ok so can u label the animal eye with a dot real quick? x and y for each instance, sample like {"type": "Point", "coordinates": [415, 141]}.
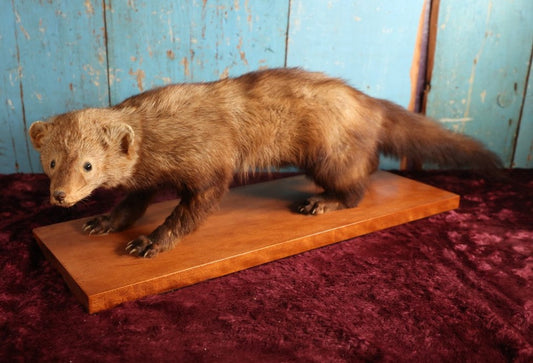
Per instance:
{"type": "Point", "coordinates": [87, 166]}
{"type": "Point", "coordinates": [52, 164]}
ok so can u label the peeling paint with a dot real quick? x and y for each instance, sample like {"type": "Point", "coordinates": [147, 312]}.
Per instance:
{"type": "Point", "coordinates": [113, 77]}
{"type": "Point", "coordinates": [13, 76]}
{"type": "Point", "coordinates": [225, 73]}
{"type": "Point", "coordinates": [459, 119]}
{"type": "Point", "coordinates": [185, 63]}
{"type": "Point", "coordinates": [483, 95]}
{"type": "Point", "coordinates": [215, 30]}
{"type": "Point", "coordinates": [91, 71]}
{"type": "Point", "coordinates": [241, 52]}
{"type": "Point", "coordinates": [61, 14]}
{"type": "Point", "coordinates": [139, 75]}
{"type": "Point", "coordinates": [89, 7]}
{"type": "Point", "coordinates": [475, 62]}
{"type": "Point", "coordinates": [41, 28]}
{"type": "Point", "coordinates": [26, 34]}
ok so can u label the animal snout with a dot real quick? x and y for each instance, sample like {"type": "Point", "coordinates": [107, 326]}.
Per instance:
{"type": "Point", "coordinates": [60, 196]}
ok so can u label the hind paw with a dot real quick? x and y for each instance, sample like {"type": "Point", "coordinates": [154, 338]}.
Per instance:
{"type": "Point", "coordinates": [318, 205]}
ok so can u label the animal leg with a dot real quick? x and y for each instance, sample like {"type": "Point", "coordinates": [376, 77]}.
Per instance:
{"type": "Point", "coordinates": [344, 185]}
{"type": "Point", "coordinates": [131, 208]}
{"type": "Point", "coordinates": [185, 218]}
{"type": "Point", "coordinates": [331, 200]}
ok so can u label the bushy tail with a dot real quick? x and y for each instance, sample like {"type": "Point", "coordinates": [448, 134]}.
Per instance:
{"type": "Point", "coordinates": [421, 139]}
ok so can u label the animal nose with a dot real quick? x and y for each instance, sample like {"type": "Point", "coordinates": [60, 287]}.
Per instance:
{"type": "Point", "coordinates": [60, 196]}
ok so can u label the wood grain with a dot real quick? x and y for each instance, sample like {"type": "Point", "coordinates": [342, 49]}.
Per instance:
{"type": "Point", "coordinates": [368, 44]}
{"type": "Point", "coordinates": [157, 42]}
{"type": "Point", "coordinates": [55, 61]}
{"type": "Point", "coordinates": [523, 151]}
{"type": "Point", "coordinates": [13, 147]}
{"type": "Point", "coordinates": [476, 87]}
{"type": "Point", "coordinates": [61, 55]}
{"type": "Point", "coordinates": [253, 226]}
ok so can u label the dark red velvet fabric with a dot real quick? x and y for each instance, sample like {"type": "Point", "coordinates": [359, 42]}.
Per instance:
{"type": "Point", "coordinates": [452, 287]}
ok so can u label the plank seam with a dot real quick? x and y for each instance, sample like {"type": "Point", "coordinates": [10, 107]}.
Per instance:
{"type": "Point", "coordinates": [287, 29]}
{"type": "Point", "coordinates": [104, 12]}
{"type": "Point", "coordinates": [521, 112]}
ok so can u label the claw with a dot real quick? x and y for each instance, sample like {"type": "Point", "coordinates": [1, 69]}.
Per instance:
{"type": "Point", "coordinates": [140, 247]}
{"type": "Point", "coordinates": [98, 225]}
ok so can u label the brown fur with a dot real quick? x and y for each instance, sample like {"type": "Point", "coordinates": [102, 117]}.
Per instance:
{"type": "Point", "coordinates": [194, 137]}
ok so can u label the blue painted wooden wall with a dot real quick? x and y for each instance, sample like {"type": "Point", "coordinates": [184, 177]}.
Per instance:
{"type": "Point", "coordinates": [60, 55]}
{"type": "Point", "coordinates": [480, 75]}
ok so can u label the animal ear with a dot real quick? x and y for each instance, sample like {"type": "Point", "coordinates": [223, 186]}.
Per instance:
{"type": "Point", "coordinates": [120, 134]}
{"type": "Point", "coordinates": [38, 130]}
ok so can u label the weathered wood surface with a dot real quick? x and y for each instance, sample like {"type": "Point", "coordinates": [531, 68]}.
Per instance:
{"type": "Point", "coordinates": [370, 45]}
{"type": "Point", "coordinates": [55, 58]}
{"type": "Point", "coordinates": [480, 71]}
{"type": "Point", "coordinates": [253, 226]}
{"type": "Point", "coordinates": [523, 153]}
{"type": "Point", "coordinates": [152, 43]}
{"type": "Point", "coordinates": [62, 55]}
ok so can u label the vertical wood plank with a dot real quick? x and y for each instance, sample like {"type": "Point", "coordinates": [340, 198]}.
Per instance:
{"type": "Point", "coordinates": [13, 150]}
{"type": "Point", "coordinates": [481, 62]}
{"type": "Point", "coordinates": [62, 58]}
{"type": "Point", "coordinates": [523, 157]}
{"type": "Point", "coordinates": [370, 45]}
{"type": "Point", "coordinates": [54, 57]}
{"type": "Point", "coordinates": [153, 43]}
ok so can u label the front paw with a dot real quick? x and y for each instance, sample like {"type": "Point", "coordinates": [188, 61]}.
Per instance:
{"type": "Point", "coordinates": [142, 246]}
{"type": "Point", "coordinates": [98, 225]}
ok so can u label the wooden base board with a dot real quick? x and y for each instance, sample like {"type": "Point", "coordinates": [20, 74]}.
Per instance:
{"type": "Point", "coordinates": [253, 226]}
